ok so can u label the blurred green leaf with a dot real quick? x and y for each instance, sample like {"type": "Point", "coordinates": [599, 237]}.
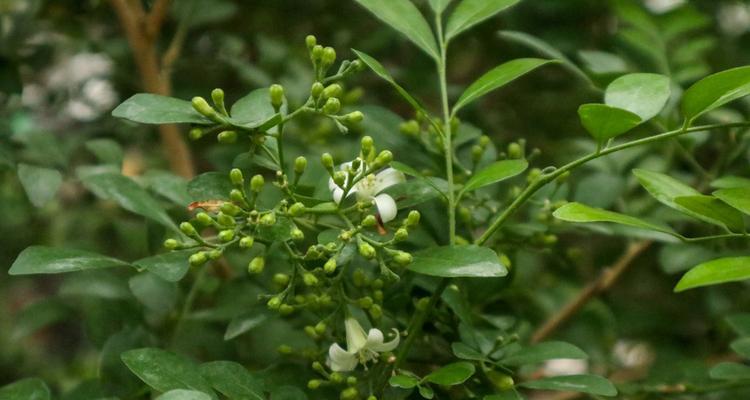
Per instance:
{"type": "Point", "coordinates": [542, 352]}
{"type": "Point", "coordinates": [106, 150]}
{"type": "Point", "coordinates": [40, 184]}
{"type": "Point", "coordinates": [451, 374]}
{"type": "Point", "coordinates": [730, 182]}
{"type": "Point", "coordinates": [149, 108]}
{"type": "Point", "coordinates": [471, 12]}
{"type": "Point", "coordinates": [577, 212]}
{"type": "Point", "coordinates": [197, 12]}
{"type": "Point", "coordinates": [604, 122]}
{"type": "Point", "coordinates": [458, 261]}
{"type": "Point", "coordinates": [739, 198]}
{"type": "Point", "coordinates": [182, 394]}
{"type": "Point", "coordinates": [642, 94]}
{"type": "Point", "coordinates": [438, 6]}
{"type": "Point", "coordinates": [39, 315]}
{"type": "Point", "coordinates": [403, 16]}
{"type": "Point", "coordinates": [712, 210]}
{"type": "Point", "coordinates": [731, 269]}
{"type": "Point", "coordinates": [664, 188]}
{"type": "Point", "coordinates": [741, 347]}
{"type": "Point", "coordinates": [157, 294]}
{"type": "Point", "coordinates": [165, 371]}
{"type": "Point", "coordinates": [244, 323]}
{"type": "Point", "coordinates": [26, 389]}
{"type": "Point", "coordinates": [545, 49]}
{"type": "Point", "coordinates": [591, 384]}
{"type": "Point", "coordinates": [729, 371]}
{"type": "Point", "coordinates": [169, 186]}
{"type": "Point", "coordinates": [495, 172]}
{"type": "Point", "coordinates": [171, 266]}
{"type": "Point", "coordinates": [715, 91]}
{"type": "Point", "coordinates": [232, 380]}
{"type": "Point", "coordinates": [380, 71]}
{"type": "Point", "coordinates": [54, 260]}
{"type": "Point", "coordinates": [403, 381]}
{"type": "Point", "coordinates": [210, 186]}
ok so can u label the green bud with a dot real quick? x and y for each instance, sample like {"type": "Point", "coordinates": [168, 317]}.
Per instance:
{"type": "Point", "coordinates": [349, 393]}
{"type": "Point", "coordinates": [402, 258]}
{"type": "Point", "coordinates": [384, 158]}
{"type": "Point", "coordinates": [214, 254]}
{"type": "Point", "coordinates": [413, 218]}
{"type": "Point", "coordinates": [476, 152]}
{"type": "Point", "coordinates": [365, 302]}
{"type": "Point", "coordinates": [247, 242]}
{"type": "Point", "coordinates": [227, 137]}
{"type": "Point", "coordinates": [327, 160]}
{"type": "Point", "coordinates": [268, 219]}
{"type": "Point", "coordinates": [310, 41]}
{"type": "Point", "coordinates": [274, 303]}
{"type": "Point", "coordinates": [235, 175]}
{"type": "Point", "coordinates": [195, 133]}
{"type": "Point", "coordinates": [188, 229]}
{"type": "Point", "coordinates": [256, 183]}
{"type": "Point", "coordinates": [376, 311]}
{"type": "Point", "coordinates": [300, 164]}
{"type": "Point", "coordinates": [201, 105]}
{"type": "Point", "coordinates": [297, 234]}
{"type": "Point", "coordinates": [297, 209]}
{"type": "Point", "coordinates": [171, 244]}
{"type": "Point", "coordinates": [501, 381]}
{"type": "Point", "coordinates": [281, 279]}
{"type": "Point", "coordinates": [339, 178]}
{"type": "Point", "coordinates": [345, 236]}
{"type": "Point", "coordinates": [320, 328]}
{"type": "Point", "coordinates": [366, 250]}
{"type": "Point", "coordinates": [332, 106]}
{"type": "Point", "coordinates": [225, 220]}
{"type": "Point", "coordinates": [204, 219]}
{"type": "Point", "coordinates": [354, 117]}
{"type": "Point", "coordinates": [256, 265]}
{"type": "Point", "coordinates": [401, 234]}
{"type": "Point", "coordinates": [533, 175]}
{"type": "Point", "coordinates": [197, 259]}
{"type": "Point", "coordinates": [276, 92]}
{"type": "Point", "coordinates": [484, 140]}
{"type": "Point", "coordinates": [422, 303]}
{"type": "Point", "coordinates": [230, 209]}
{"type": "Point", "coordinates": [377, 284]}
{"type": "Point", "coordinates": [284, 349]}
{"type": "Point", "coordinates": [351, 380]}
{"type": "Point", "coordinates": [236, 196]}
{"type": "Point", "coordinates": [336, 377]}
{"type": "Point", "coordinates": [310, 331]}
{"type": "Point", "coordinates": [309, 279]}
{"type": "Point", "coordinates": [329, 56]}
{"type": "Point", "coordinates": [369, 221]}
{"type": "Point", "coordinates": [378, 295]}
{"type": "Point", "coordinates": [549, 240]}
{"type": "Point", "coordinates": [332, 90]}
{"type": "Point", "coordinates": [313, 384]}
{"type": "Point", "coordinates": [367, 145]}
{"type": "Point", "coordinates": [217, 95]}
{"type": "Point", "coordinates": [464, 213]}
{"type": "Point", "coordinates": [286, 309]}
{"type": "Point", "coordinates": [330, 266]}
{"type": "Point", "coordinates": [226, 235]}
{"type": "Point", "coordinates": [515, 151]}
{"type": "Point", "coordinates": [316, 54]}
{"type": "Point", "coordinates": [410, 128]}
{"type": "Point", "coordinates": [371, 397]}
{"type": "Point", "coordinates": [316, 90]}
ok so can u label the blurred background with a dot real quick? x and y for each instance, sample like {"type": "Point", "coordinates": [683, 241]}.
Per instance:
{"type": "Point", "coordinates": [65, 64]}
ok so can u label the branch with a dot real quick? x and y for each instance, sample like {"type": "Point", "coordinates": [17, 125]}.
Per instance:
{"type": "Point", "coordinates": [602, 283]}
{"type": "Point", "coordinates": [156, 17]}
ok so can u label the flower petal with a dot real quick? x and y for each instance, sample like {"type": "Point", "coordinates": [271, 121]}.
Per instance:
{"type": "Point", "coordinates": [374, 338]}
{"type": "Point", "coordinates": [387, 178]}
{"type": "Point", "coordinates": [337, 194]}
{"type": "Point", "coordinates": [386, 207]}
{"type": "Point", "coordinates": [340, 360]}
{"type": "Point", "coordinates": [388, 346]}
{"type": "Point", "coordinates": [356, 339]}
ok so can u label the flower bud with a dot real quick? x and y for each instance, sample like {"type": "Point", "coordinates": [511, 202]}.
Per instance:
{"type": "Point", "coordinates": [376, 311]}
{"type": "Point", "coordinates": [226, 235]}
{"type": "Point", "coordinates": [476, 153]}
{"type": "Point", "coordinates": [413, 218]}
{"type": "Point", "coordinates": [332, 106]}
{"type": "Point", "coordinates": [268, 219]}
{"type": "Point", "coordinates": [214, 254]}
{"type": "Point", "coordinates": [533, 175]}
{"type": "Point", "coordinates": [225, 220]}
{"type": "Point", "coordinates": [316, 54]}
{"type": "Point", "coordinates": [235, 175]}
{"type": "Point", "coordinates": [365, 302]}
{"type": "Point", "coordinates": [484, 140]}
{"type": "Point", "coordinates": [171, 244]}
{"type": "Point", "coordinates": [320, 328]}
{"type": "Point", "coordinates": [256, 183]}
{"type": "Point", "coordinates": [256, 265]}
{"type": "Point", "coordinates": [327, 160]}
{"type": "Point", "coordinates": [274, 303]}
{"type": "Point", "coordinates": [195, 133]}
{"type": "Point", "coordinates": [247, 242]}
{"type": "Point", "coordinates": [310, 331]}
{"type": "Point", "coordinates": [345, 236]}
{"type": "Point", "coordinates": [297, 209]}
{"type": "Point", "coordinates": [351, 380]}
{"type": "Point", "coordinates": [367, 145]}
{"type": "Point", "coordinates": [276, 92]}
{"type": "Point", "coordinates": [402, 258]}
{"type": "Point", "coordinates": [284, 349]}
{"type": "Point", "coordinates": [230, 209]}
{"type": "Point", "coordinates": [339, 178]}
{"type": "Point", "coordinates": [422, 303]}
{"type": "Point", "coordinates": [515, 151]}
{"type": "Point", "coordinates": [369, 221]}
{"type": "Point", "coordinates": [401, 234]}
{"type": "Point", "coordinates": [410, 128]}
{"type": "Point", "coordinates": [236, 196]}
{"type": "Point", "coordinates": [227, 137]}
{"type": "Point", "coordinates": [349, 393]}
{"type": "Point", "coordinates": [286, 309]}
{"type": "Point", "coordinates": [336, 377]}
{"type": "Point", "coordinates": [377, 284]}
{"type": "Point", "coordinates": [300, 164]}
{"type": "Point", "coordinates": [313, 384]}
{"type": "Point", "coordinates": [197, 259]}
{"type": "Point", "coordinates": [354, 117]}
{"type": "Point", "coordinates": [366, 250]}
{"type": "Point", "coordinates": [309, 279]}
{"type": "Point", "coordinates": [297, 234]}
{"type": "Point", "coordinates": [310, 41]}
{"type": "Point", "coordinates": [329, 56]}
{"type": "Point", "coordinates": [316, 90]}
{"type": "Point", "coordinates": [281, 279]}
{"type": "Point", "coordinates": [332, 90]}
{"type": "Point", "coordinates": [501, 381]}
{"type": "Point", "coordinates": [378, 295]}
{"type": "Point", "coordinates": [217, 95]}
{"type": "Point", "coordinates": [201, 105]}
{"type": "Point", "coordinates": [357, 66]}
{"type": "Point", "coordinates": [330, 266]}
{"type": "Point", "coordinates": [188, 229]}
{"type": "Point", "coordinates": [384, 158]}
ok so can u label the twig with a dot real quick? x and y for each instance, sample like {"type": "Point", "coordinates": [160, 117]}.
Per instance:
{"type": "Point", "coordinates": [602, 283]}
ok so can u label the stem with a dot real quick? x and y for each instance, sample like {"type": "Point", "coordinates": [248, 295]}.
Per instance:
{"type": "Point", "coordinates": [549, 177]}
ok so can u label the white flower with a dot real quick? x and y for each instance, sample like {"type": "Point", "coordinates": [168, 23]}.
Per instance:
{"type": "Point", "coordinates": [565, 366]}
{"type": "Point", "coordinates": [370, 187]}
{"type": "Point", "coordinates": [360, 347]}
{"type": "Point", "coordinates": [663, 6]}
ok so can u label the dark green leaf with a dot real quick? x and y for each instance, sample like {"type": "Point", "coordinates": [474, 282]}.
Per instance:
{"type": "Point", "coordinates": [165, 371]}
{"type": "Point", "coordinates": [642, 94]}
{"type": "Point", "coordinates": [451, 374]}
{"type": "Point", "coordinates": [740, 323]}
{"type": "Point", "coordinates": [742, 347]}
{"type": "Point", "coordinates": [253, 110]}
{"type": "Point", "coordinates": [458, 261]}
{"type": "Point", "coordinates": [232, 380]}
{"type": "Point", "coordinates": [495, 172]}
{"type": "Point", "coordinates": [168, 185]}
{"type": "Point", "coordinates": [463, 351]}
{"type": "Point", "coordinates": [403, 381]}
{"type": "Point", "coordinates": [542, 352]}
{"type": "Point", "coordinates": [54, 260]}
{"type": "Point", "coordinates": [37, 316]}
{"type": "Point", "coordinates": [404, 17]}
{"type": "Point", "coordinates": [498, 77]}
{"type": "Point", "coordinates": [577, 212]}
{"type": "Point", "coordinates": [738, 198]}
{"type": "Point", "coordinates": [193, 13]}
{"type": "Point", "coordinates": [712, 210]}
{"type": "Point", "coordinates": [714, 91]}
{"type": "Point", "coordinates": [149, 108]}
{"type": "Point", "coordinates": [182, 394]}
{"type": "Point", "coordinates": [729, 371]}
{"type": "Point", "coordinates": [471, 12]}
{"type": "Point", "coordinates": [106, 150]}
{"type": "Point", "coordinates": [665, 189]}
{"type": "Point", "coordinates": [40, 184]}
{"type": "Point", "coordinates": [26, 389]}
{"type": "Point", "coordinates": [591, 384]}
{"type": "Point", "coordinates": [154, 292]}
{"type": "Point", "coordinates": [380, 71]}
{"type": "Point", "coordinates": [244, 323]}
{"type": "Point", "coordinates": [210, 186]}
{"type": "Point", "coordinates": [170, 266]}
{"type": "Point", "coordinates": [714, 272]}
{"type": "Point", "coordinates": [278, 232]}
{"type": "Point", "coordinates": [97, 284]}
{"type": "Point", "coordinates": [426, 392]}
{"type": "Point", "coordinates": [604, 122]}
{"type": "Point", "coordinates": [545, 49]}
{"type": "Point", "coordinates": [112, 371]}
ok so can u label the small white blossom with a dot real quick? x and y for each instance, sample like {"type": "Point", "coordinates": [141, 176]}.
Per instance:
{"type": "Point", "coordinates": [360, 347]}
{"type": "Point", "coordinates": [370, 187]}
{"type": "Point", "coordinates": [565, 366]}
{"type": "Point", "coordinates": [663, 6]}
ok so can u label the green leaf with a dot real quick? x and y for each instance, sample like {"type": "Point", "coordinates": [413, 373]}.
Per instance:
{"type": "Point", "coordinates": [465, 352]}
{"type": "Point", "coordinates": [729, 371]}
{"type": "Point", "coordinates": [741, 347]}
{"type": "Point", "coordinates": [722, 270]}
{"type": "Point", "coordinates": [182, 394]}
{"type": "Point", "coordinates": [414, 192]}
{"type": "Point", "coordinates": [128, 194]}
{"type": "Point", "coordinates": [471, 12]}
{"type": "Point", "coordinates": [39, 315]}
{"type": "Point", "coordinates": [591, 384]}
{"type": "Point", "coordinates": [739, 198]}
{"type": "Point", "coordinates": [193, 13]}
{"type": "Point", "coordinates": [542, 352]}
{"type": "Point", "coordinates": [714, 91]}
{"type": "Point", "coordinates": [545, 49]}
{"type": "Point", "coordinates": [169, 186]}
{"type": "Point", "coordinates": [149, 108]}
{"type": "Point", "coordinates": [506, 395]}
{"type": "Point", "coordinates": [255, 111]}
{"type": "Point", "coordinates": [403, 16]}
{"type": "Point", "coordinates": [403, 381]}
{"type": "Point", "coordinates": [26, 389]}
{"type": "Point", "coordinates": [171, 266]}
{"type": "Point", "coordinates": [244, 323]}
{"type": "Point", "coordinates": [730, 182]}
{"type": "Point", "coordinates": [380, 71]}
{"type": "Point", "coordinates": [426, 392]}
{"type": "Point", "coordinates": [165, 371]}
{"type": "Point", "coordinates": [602, 63]}
{"type": "Point", "coordinates": [642, 94]}
{"type": "Point", "coordinates": [154, 292]}
{"type": "Point", "coordinates": [438, 6]}
{"type": "Point", "coordinates": [278, 232]}
{"type": "Point", "coordinates": [40, 184]}
{"type": "Point", "coordinates": [458, 261]}
{"type": "Point", "coordinates": [577, 212]}
{"type": "Point", "coordinates": [55, 260]}
{"type": "Point", "coordinates": [232, 380]}
{"type": "Point", "coordinates": [210, 186]}
{"type": "Point", "coordinates": [495, 172]}
{"type": "Point", "coordinates": [740, 323]}
{"type": "Point", "coordinates": [604, 122]}
{"type": "Point", "coordinates": [106, 150]}
{"type": "Point", "coordinates": [664, 188]}
{"type": "Point", "coordinates": [451, 374]}
{"type": "Point", "coordinates": [713, 211]}
{"type": "Point", "coordinates": [498, 77]}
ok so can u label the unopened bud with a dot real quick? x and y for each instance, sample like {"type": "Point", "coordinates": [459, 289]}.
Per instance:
{"type": "Point", "coordinates": [367, 145]}
{"type": "Point", "coordinates": [329, 56]}
{"type": "Point", "coordinates": [201, 105]}
{"type": "Point", "coordinates": [384, 158]}
{"type": "Point", "coordinates": [332, 90]}
{"type": "Point", "coordinates": [332, 106]}
{"type": "Point", "coordinates": [276, 92]}
{"type": "Point", "coordinates": [227, 137]}
{"type": "Point", "coordinates": [225, 220]}
{"type": "Point", "coordinates": [402, 258]}
{"type": "Point", "coordinates": [327, 160]}
{"type": "Point", "coordinates": [366, 250]}
{"type": "Point", "coordinates": [369, 220]}
{"type": "Point", "coordinates": [297, 234]}
{"type": "Point", "coordinates": [195, 133]}
{"type": "Point", "coordinates": [310, 279]}
{"type": "Point", "coordinates": [376, 311]}
{"type": "Point", "coordinates": [316, 90]}
{"type": "Point", "coordinates": [297, 209]}
{"type": "Point", "coordinates": [274, 303]}
{"type": "Point", "coordinates": [354, 117]}
{"type": "Point", "coordinates": [281, 279]}
{"type": "Point", "coordinates": [349, 393]}
{"type": "Point", "coordinates": [410, 128]}
{"type": "Point", "coordinates": [256, 265]}
{"type": "Point", "coordinates": [236, 196]}
{"type": "Point", "coordinates": [339, 178]}
{"type": "Point", "coordinates": [310, 41]}
{"type": "Point", "coordinates": [365, 302]}
{"type": "Point", "coordinates": [300, 163]}
{"type": "Point", "coordinates": [247, 242]}
{"type": "Point", "coordinates": [413, 218]}
{"type": "Point", "coordinates": [256, 183]}
{"type": "Point", "coordinates": [401, 234]}
{"type": "Point", "coordinates": [515, 151]}
{"type": "Point", "coordinates": [217, 95]}
{"type": "Point", "coordinates": [197, 259]}
{"type": "Point", "coordinates": [171, 244]}
{"type": "Point", "coordinates": [188, 229]}
{"type": "Point", "coordinates": [268, 219]}
{"type": "Point", "coordinates": [330, 266]}
{"type": "Point", "coordinates": [235, 175]}
{"type": "Point", "coordinates": [226, 235]}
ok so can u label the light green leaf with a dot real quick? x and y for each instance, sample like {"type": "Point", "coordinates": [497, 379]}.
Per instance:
{"type": "Point", "coordinates": [591, 384]}
{"type": "Point", "coordinates": [149, 108]}
{"type": "Point", "coordinates": [255, 111]}
{"type": "Point", "coordinates": [577, 212]}
{"type": "Point", "coordinates": [403, 381]}
{"type": "Point", "coordinates": [182, 394]}
{"type": "Point", "coordinates": [463, 351]}
{"type": "Point", "coordinates": [26, 389]}
{"type": "Point", "coordinates": [380, 71]}
{"type": "Point", "coordinates": [506, 395]}
{"type": "Point", "coordinates": [738, 198]}
{"type": "Point", "coordinates": [730, 182]}
{"type": "Point", "coordinates": [741, 347]}
{"type": "Point", "coordinates": [426, 392]}
{"type": "Point", "coordinates": [715, 91]}
{"type": "Point", "coordinates": [170, 266]}
{"type": "Point", "coordinates": [713, 211]}
{"type": "Point", "coordinates": [729, 371]}
{"type": "Point", "coordinates": [165, 371]}
{"type": "Point", "coordinates": [471, 12]}
{"type": "Point", "coordinates": [40, 184]}
{"type": "Point", "coordinates": [106, 150]}
{"type": "Point", "coordinates": [244, 323]}
{"type": "Point", "coordinates": [168, 185]}
{"type": "Point", "coordinates": [542, 352]}
{"type": "Point", "coordinates": [451, 374]}
{"type": "Point", "coordinates": [417, 191]}
{"type": "Point", "coordinates": [128, 194]}
{"type": "Point", "coordinates": [740, 323]}
{"type": "Point", "coordinates": [54, 260]}
{"type": "Point", "coordinates": [498, 77]}
{"type": "Point", "coordinates": [495, 172]}
{"type": "Point", "coordinates": [602, 63]}
{"type": "Point", "coordinates": [722, 270]}
{"type": "Point", "coordinates": [458, 261]}
{"type": "Point", "coordinates": [642, 94]}
{"type": "Point", "coordinates": [604, 122]}
{"type": "Point", "coordinates": [545, 49]}
{"type": "Point", "coordinates": [663, 187]}
{"type": "Point", "coordinates": [155, 293]}
{"type": "Point", "coordinates": [438, 6]}
{"type": "Point", "coordinates": [403, 16]}
{"type": "Point", "coordinates": [233, 380]}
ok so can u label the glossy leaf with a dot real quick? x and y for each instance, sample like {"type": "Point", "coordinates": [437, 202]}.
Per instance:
{"type": "Point", "coordinates": [26, 389]}
{"type": "Point", "coordinates": [471, 12]}
{"type": "Point", "coordinates": [54, 260]}
{"type": "Point", "coordinates": [458, 261]}
{"type": "Point", "coordinates": [739, 198]}
{"type": "Point", "coordinates": [729, 371]}
{"type": "Point", "coordinates": [451, 374]}
{"type": "Point", "coordinates": [591, 384]}
{"type": "Point", "coordinates": [149, 108]}
{"type": "Point", "coordinates": [495, 172]}
{"type": "Point", "coordinates": [577, 212]}
{"type": "Point", "coordinates": [165, 371]}
{"type": "Point", "coordinates": [170, 266]}
{"type": "Point", "coordinates": [722, 270]}
{"type": "Point", "coordinates": [40, 184]}
{"type": "Point", "coordinates": [403, 16]}
{"type": "Point", "coordinates": [542, 352]}
{"type": "Point", "coordinates": [498, 77]}
{"type": "Point", "coordinates": [380, 71]}
{"type": "Point", "coordinates": [403, 381]}
{"type": "Point", "coordinates": [713, 211]}
{"type": "Point", "coordinates": [232, 380]}
{"type": "Point", "coordinates": [182, 394]}
{"type": "Point", "coordinates": [715, 91]}
{"type": "Point", "coordinates": [604, 122]}
{"type": "Point", "coordinates": [642, 94]}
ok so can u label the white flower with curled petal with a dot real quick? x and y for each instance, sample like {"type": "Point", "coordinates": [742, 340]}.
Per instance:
{"type": "Point", "coordinates": [369, 188]}
{"type": "Point", "coordinates": [360, 347]}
